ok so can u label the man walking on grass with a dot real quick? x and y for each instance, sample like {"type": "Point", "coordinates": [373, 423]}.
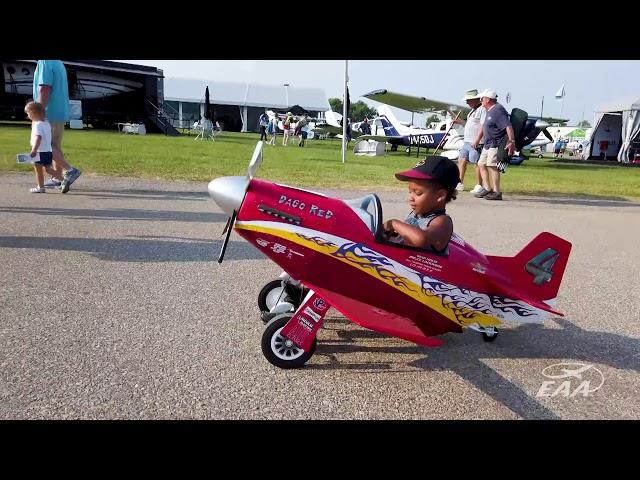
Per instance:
{"type": "Point", "coordinates": [497, 124]}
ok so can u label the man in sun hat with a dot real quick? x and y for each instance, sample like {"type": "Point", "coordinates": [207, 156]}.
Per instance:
{"type": "Point", "coordinates": [497, 124]}
{"type": "Point", "coordinates": [472, 125]}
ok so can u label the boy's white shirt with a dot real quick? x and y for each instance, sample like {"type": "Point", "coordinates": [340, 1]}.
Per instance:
{"type": "Point", "coordinates": [43, 129]}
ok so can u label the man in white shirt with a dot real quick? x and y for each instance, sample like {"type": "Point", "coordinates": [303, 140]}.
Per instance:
{"type": "Point", "coordinates": [472, 126]}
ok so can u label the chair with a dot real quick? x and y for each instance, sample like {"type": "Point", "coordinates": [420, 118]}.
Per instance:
{"type": "Point", "coordinates": [205, 129]}
{"type": "Point", "coordinates": [217, 130]}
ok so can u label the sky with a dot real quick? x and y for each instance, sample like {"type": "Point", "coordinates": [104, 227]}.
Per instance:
{"type": "Point", "coordinates": [588, 83]}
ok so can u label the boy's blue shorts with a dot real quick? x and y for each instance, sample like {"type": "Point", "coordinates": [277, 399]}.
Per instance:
{"type": "Point", "coordinates": [45, 158]}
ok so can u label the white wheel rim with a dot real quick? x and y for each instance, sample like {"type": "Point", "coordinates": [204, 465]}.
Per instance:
{"type": "Point", "coordinates": [281, 350]}
{"type": "Point", "coordinates": [273, 296]}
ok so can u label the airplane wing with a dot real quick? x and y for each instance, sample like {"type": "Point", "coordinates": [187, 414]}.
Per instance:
{"type": "Point", "coordinates": [551, 120]}
{"type": "Point", "coordinates": [333, 130]}
{"type": "Point", "coordinates": [327, 128]}
{"type": "Point", "coordinates": [380, 320]}
{"type": "Point", "coordinates": [413, 104]}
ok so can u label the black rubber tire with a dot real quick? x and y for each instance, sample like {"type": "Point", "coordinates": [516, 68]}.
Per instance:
{"type": "Point", "coordinates": [488, 338]}
{"type": "Point", "coordinates": [290, 291]}
{"type": "Point", "coordinates": [270, 330]}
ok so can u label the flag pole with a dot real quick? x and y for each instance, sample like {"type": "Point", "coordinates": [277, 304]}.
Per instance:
{"type": "Point", "coordinates": [562, 104]}
{"type": "Point", "coordinates": [344, 110]}
{"type": "Point", "coordinates": [542, 107]}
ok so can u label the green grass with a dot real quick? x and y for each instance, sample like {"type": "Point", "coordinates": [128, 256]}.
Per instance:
{"type": "Point", "coordinates": [318, 164]}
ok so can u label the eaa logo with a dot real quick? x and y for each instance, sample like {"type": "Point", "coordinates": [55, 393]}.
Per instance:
{"type": "Point", "coordinates": [570, 380]}
{"type": "Point", "coordinates": [320, 304]}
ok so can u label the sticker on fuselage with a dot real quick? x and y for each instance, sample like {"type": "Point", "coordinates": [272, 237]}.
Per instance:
{"type": "Point", "coordinates": [541, 266]}
{"type": "Point", "coordinates": [305, 323]}
{"type": "Point", "coordinates": [312, 209]}
{"type": "Point", "coordinates": [424, 263]}
{"type": "Point", "coordinates": [315, 317]}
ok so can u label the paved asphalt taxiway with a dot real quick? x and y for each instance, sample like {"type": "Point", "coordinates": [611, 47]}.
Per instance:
{"type": "Point", "coordinates": [112, 306]}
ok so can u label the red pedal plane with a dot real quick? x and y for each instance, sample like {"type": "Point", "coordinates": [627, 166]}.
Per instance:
{"type": "Point", "coordinates": [335, 248]}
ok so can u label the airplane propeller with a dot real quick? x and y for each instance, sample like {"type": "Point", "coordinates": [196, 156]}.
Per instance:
{"type": "Point", "coordinates": [542, 126]}
{"type": "Point", "coordinates": [227, 229]}
{"type": "Point", "coordinates": [256, 161]}
{"type": "Point", "coordinates": [228, 193]}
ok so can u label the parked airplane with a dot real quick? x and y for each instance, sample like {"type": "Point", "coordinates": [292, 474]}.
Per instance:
{"type": "Point", "coordinates": [387, 128]}
{"type": "Point", "coordinates": [533, 133]}
{"type": "Point", "coordinates": [332, 125]}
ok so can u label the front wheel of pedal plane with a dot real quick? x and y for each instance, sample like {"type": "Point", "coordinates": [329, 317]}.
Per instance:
{"type": "Point", "coordinates": [281, 351]}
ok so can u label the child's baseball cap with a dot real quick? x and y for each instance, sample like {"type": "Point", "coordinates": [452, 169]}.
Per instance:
{"type": "Point", "coordinates": [436, 168]}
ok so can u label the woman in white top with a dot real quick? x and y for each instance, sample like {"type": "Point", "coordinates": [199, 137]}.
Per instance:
{"type": "Point", "coordinates": [272, 128]}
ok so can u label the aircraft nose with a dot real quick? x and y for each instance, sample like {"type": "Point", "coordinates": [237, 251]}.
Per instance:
{"type": "Point", "coordinates": [228, 192]}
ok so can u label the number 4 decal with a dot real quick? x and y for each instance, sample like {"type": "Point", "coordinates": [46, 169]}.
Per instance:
{"type": "Point", "coordinates": [541, 266]}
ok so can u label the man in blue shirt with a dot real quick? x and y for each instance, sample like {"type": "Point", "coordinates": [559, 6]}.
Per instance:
{"type": "Point", "coordinates": [497, 124]}
{"type": "Point", "coordinates": [50, 88]}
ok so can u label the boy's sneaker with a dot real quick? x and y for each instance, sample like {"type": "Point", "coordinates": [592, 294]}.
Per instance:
{"type": "Point", "coordinates": [460, 187]}
{"type": "Point", "coordinates": [72, 175]}
{"type": "Point", "coordinates": [38, 190]}
{"type": "Point", "coordinates": [482, 193]}
{"type": "Point", "coordinates": [52, 183]}
{"type": "Point", "coordinates": [476, 189]}
{"type": "Point", "coordinates": [64, 186]}
{"type": "Point", "coordinates": [493, 196]}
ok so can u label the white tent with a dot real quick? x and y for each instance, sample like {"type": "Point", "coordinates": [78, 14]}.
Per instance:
{"type": "Point", "coordinates": [244, 100]}
{"type": "Point", "coordinates": [616, 130]}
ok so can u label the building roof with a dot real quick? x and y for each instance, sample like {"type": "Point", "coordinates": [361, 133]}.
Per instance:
{"type": "Point", "coordinates": [629, 102]}
{"type": "Point", "coordinates": [245, 94]}
{"type": "Point", "coordinates": [111, 66]}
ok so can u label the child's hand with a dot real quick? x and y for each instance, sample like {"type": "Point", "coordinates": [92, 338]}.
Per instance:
{"type": "Point", "coordinates": [388, 226]}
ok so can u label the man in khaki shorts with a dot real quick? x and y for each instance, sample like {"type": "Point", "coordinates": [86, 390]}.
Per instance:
{"type": "Point", "coordinates": [51, 90]}
{"type": "Point", "coordinates": [497, 124]}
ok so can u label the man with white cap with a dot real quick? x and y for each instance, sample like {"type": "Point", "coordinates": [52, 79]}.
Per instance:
{"type": "Point", "coordinates": [497, 124]}
{"type": "Point", "coordinates": [472, 126]}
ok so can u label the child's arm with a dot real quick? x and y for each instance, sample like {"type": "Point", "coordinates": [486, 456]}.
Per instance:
{"type": "Point", "coordinates": [437, 235]}
{"type": "Point", "coordinates": [34, 149]}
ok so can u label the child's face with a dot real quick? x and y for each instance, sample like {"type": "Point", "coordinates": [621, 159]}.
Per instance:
{"type": "Point", "coordinates": [426, 196]}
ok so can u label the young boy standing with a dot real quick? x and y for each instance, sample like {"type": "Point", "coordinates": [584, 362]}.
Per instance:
{"type": "Point", "coordinates": [41, 145]}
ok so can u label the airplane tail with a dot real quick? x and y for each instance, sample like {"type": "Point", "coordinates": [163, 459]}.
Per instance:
{"type": "Point", "coordinates": [394, 128]}
{"type": "Point", "coordinates": [536, 271]}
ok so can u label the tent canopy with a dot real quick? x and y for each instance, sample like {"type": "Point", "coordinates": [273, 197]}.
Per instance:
{"type": "Point", "coordinates": [614, 121]}
{"type": "Point", "coordinates": [297, 110]}
{"type": "Point", "coordinates": [620, 104]}
{"type": "Point", "coordinates": [577, 133]}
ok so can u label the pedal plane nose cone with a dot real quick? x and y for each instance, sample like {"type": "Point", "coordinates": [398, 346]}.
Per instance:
{"type": "Point", "coordinates": [228, 192]}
